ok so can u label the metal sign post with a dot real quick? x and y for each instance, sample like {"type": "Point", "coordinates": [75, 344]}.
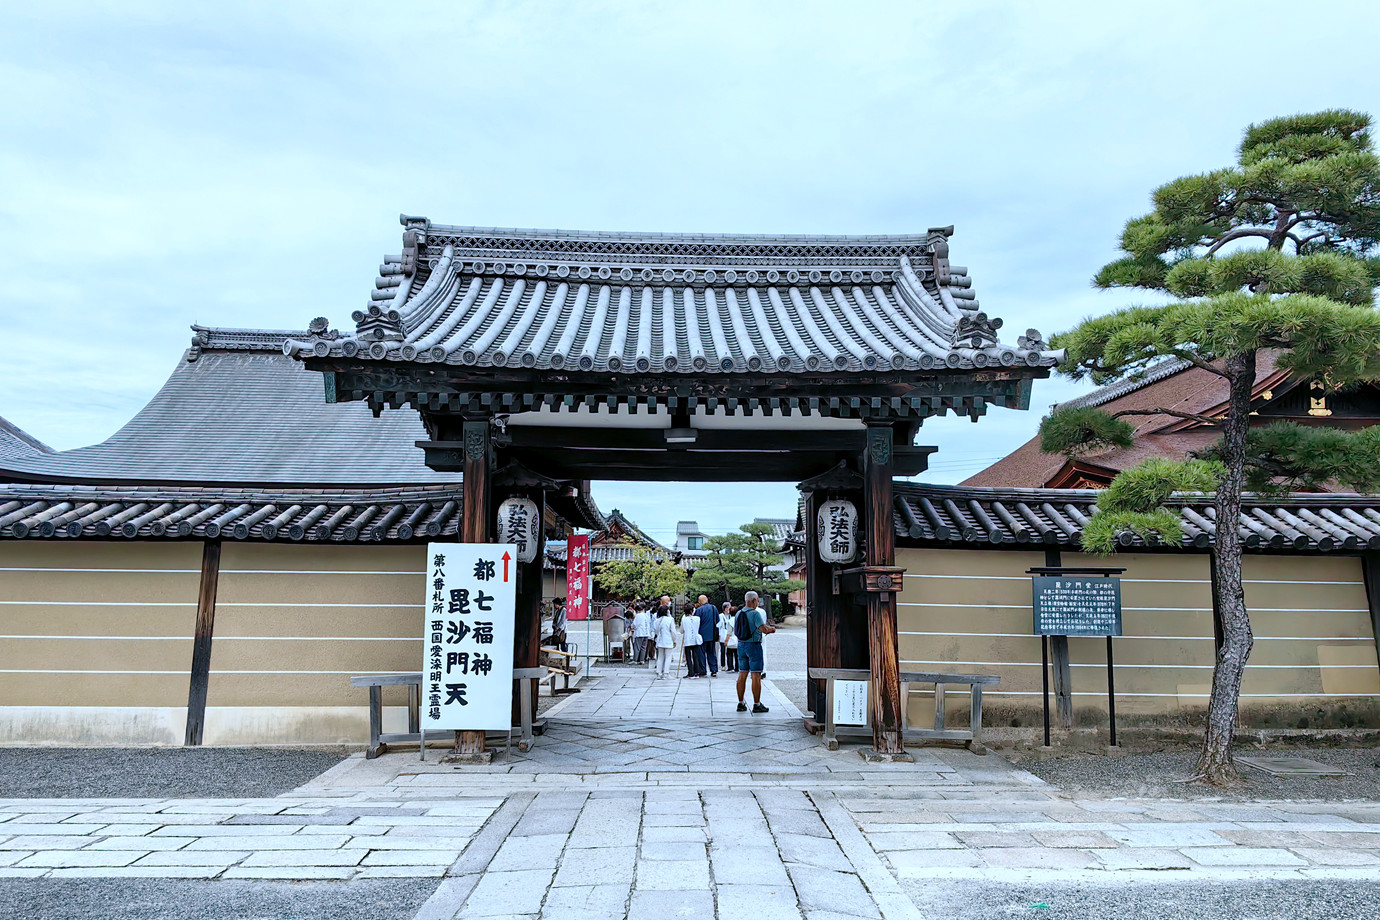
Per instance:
{"type": "Point", "coordinates": [1077, 601]}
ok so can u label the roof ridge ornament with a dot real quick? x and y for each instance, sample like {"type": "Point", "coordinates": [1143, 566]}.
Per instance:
{"type": "Point", "coordinates": [975, 330]}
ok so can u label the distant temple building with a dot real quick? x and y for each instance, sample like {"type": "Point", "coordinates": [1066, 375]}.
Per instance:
{"type": "Point", "coordinates": [1174, 384]}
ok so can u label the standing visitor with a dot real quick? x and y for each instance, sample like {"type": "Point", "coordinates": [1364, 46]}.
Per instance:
{"type": "Point", "coordinates": [642, 631]}
{"type": "Point", "coordinates": [708, 616]}
{"type": "Point", "coordinates": [558, 623]}
{"type": "Point", "coordinates": [664, 636]}
{"type": "Point", "coordinates": [655, 611]}
{"type": "Point", "coordinates": [725, 629]}
{"type": "Point", "coordinates": [750, 626]}
{"type": "Point", "coordinates": [628, 640]}
{"type": "Point", "coordinates": [694, 644]}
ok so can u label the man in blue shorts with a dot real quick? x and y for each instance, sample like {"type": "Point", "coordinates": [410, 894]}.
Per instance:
{"type": "Point", "coordinates": [750, 626]}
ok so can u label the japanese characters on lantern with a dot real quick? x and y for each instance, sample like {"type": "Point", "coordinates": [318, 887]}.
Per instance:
{"type": "Point", "coordinates": [467, 671]}
{"type": "Point", "coordinates": [837, 525]}
{"type": "Point", "coordinates": [518, 523]}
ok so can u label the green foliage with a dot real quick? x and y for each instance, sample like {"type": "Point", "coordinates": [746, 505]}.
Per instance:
{"type": "Point", "coordinates": [1134, 502]}
{"type": "Point", "coordinates": [1083, 429]}
{"type": "Point", "coordinates": [741, 562]}
{"type": "Point", "coordinates": [1269, 271]}
{"type": "Point", "coordinates": [1322, 337]}
{"type": "Point", "coordinates": [1303, 185]}
{"type": "Point", "coordinates": [647, 575]}
{"type": "Point", "coordinates": [1285, 456]}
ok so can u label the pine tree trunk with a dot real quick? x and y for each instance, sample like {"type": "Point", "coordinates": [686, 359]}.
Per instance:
{"type": "Point", "coordinates": [1215, 764]}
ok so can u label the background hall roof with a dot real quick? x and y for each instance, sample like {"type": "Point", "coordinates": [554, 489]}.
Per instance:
{"type": "Point", "coordinates": [1170, 384]}
{"type": "Point", "coordinates": [236, 410]}
{"type": "Point", "coordinates": [16, 442]}
{"type": "Point", "coordinates": [662, 302]}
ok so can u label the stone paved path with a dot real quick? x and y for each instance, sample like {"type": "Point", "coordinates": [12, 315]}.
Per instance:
{"type": "Point", "coordinates": [633, 692]}
{"type": "Point", "coordinates": [688, 814]}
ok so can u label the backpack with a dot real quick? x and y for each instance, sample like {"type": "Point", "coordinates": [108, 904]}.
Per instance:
{"type": "Point", "coordinates": [742, 626]}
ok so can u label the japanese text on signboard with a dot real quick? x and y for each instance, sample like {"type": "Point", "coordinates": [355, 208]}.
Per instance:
{"type": "Point", "coordinates": [468, 670]}
{"type": "Point", "coordinates": [577, 586]}
{"type": "Point", "coordinates": [1067, 606]}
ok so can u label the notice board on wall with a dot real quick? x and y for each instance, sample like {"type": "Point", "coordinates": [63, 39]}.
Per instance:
{"type": "Point", "coordinates": [1072, 606]}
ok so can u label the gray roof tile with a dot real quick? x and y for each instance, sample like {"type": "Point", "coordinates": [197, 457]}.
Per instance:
{"type": "Point", "coordinates": [657, 302]}
{"type": "Point", "coordinates": [237, 410]}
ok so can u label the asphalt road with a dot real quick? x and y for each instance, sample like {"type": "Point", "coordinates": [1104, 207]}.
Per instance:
{"type": "Point", "coordinates": [162, 899]}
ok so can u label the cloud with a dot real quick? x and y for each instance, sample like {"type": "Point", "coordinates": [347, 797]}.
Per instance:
{"type": "Point", "coordinates": [243, 164]}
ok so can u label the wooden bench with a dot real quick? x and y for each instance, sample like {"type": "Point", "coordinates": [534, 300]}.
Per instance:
{"type": "Point", "coordinates": [940, 732]}
{"type": "Point", "coordinates": [561, 664]}
{"type": "Point", "coordinates": [379, 739]}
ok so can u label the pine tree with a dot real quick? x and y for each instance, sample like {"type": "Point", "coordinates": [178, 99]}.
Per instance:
{"type": "Point", "coordinates": [740, 562]}
{"type": "Point", "coordinates": [1275, 253]}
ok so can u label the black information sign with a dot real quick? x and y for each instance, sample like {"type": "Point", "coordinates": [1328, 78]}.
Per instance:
{"type": "Point", "coordinates": [1068, 606]}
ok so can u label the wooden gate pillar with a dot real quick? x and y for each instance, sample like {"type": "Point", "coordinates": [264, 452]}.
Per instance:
{"type": "Point", "coordinates": [883, 651]}
{"type": "Point", "coordinates": [475, 524]}
{"type": "Point", "coordinates": [836, 629]}
{"type": "Point", "coordinates": [527, 628]}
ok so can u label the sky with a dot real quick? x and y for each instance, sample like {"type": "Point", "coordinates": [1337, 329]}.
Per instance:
{"type": "Point", "coordinates": [244, 164]}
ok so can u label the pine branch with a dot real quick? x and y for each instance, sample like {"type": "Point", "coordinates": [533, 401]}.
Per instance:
{"type": "Point", "coordinates": [1197, 361]}
{"type": "Point", "coordinates": [1188, 416]}
{"type": "Point", "coordinates": [1236, 234]}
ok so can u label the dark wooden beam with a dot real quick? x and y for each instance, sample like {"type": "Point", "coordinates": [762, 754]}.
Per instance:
{"type": "Point", "coordinates": [1370, 568]}
{"type": "Point", "coordinates": [201, 642]}
{"type": "Point", "coordinates": [883, 637]}
{"type": "Point", "coordinates": [527, 623]}
{"type": "Point", "coordinates": [474, 525]}
{"type": "Point", "coordinates": [557, 461]}
{"type": "Point", "coordinates": [649, 439]}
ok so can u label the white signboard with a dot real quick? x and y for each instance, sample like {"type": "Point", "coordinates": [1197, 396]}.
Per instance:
{"type": "Point", "coordinates": [467, 671]}
{"type": "Point", "coordinates": [850, 702]}
{"type": "Point", "coordinates": [837, 526]}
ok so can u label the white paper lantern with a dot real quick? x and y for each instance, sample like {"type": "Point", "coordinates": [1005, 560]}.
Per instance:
{"type": "Point", "coordinates": [519, 523]}
{"type": "Point", "coordinates": [837, 525]}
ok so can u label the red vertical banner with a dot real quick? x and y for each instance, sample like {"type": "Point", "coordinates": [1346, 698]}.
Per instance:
{"type": "Point", "coordinates": [577, 580]}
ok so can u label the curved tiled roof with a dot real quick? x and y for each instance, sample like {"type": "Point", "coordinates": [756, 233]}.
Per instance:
{"type": "Point", "coordinates": [673, 303]}
{"type": "Point", "coordinates": [928, 515]}
{"type": "Point", "coordinates": [16, 442]}
{"type": "Point", "coordinates": [287, 515]}
{"type": "Point", "coordinates": [1111, 391]}
{"type": "Point", "coordinates": [237, 410]}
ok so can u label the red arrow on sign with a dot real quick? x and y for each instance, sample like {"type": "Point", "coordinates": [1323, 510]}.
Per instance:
{"type": "Point", "coordinates": [506, 559]}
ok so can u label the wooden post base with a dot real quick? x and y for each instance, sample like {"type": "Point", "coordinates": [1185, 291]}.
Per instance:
{"type": "Point", "coordinates": [872, 755]}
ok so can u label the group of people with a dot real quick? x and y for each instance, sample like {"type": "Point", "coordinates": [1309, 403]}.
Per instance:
{"type": "Point", "coordinates": [711, 638]}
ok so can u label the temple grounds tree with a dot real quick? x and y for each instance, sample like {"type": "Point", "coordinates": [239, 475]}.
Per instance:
{"type": "Point", "coordinates": [1275, 253]}
{"type": "Point", "coordinates": [647, 575]}
{"type": "Point", "coordinates": [740, 562]}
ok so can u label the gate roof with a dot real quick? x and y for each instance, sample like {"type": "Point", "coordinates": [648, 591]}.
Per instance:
{"type": "Point", "coordinates": [673, 304]}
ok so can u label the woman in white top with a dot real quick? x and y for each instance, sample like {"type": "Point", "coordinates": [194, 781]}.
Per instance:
{"type": "Point", "coordinates": [724, 626]}
{"type": "Point", "coordinates": [694, 653]}
{"type": "Point", "coordinates": [664, 635]}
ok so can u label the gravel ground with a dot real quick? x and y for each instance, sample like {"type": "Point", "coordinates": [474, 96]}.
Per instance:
{"type": "Point", "coordinates": [160, 899]}
{"type": "Point", "coordinates": [159, 772]}
{"type": "Point", "coordinates": [1154, 775]}
{"type": "Point", "coordinates": [1186, 900]}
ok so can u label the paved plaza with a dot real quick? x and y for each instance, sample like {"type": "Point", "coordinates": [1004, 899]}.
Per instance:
{"type": "Point", "coordinates": [646, 799]}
